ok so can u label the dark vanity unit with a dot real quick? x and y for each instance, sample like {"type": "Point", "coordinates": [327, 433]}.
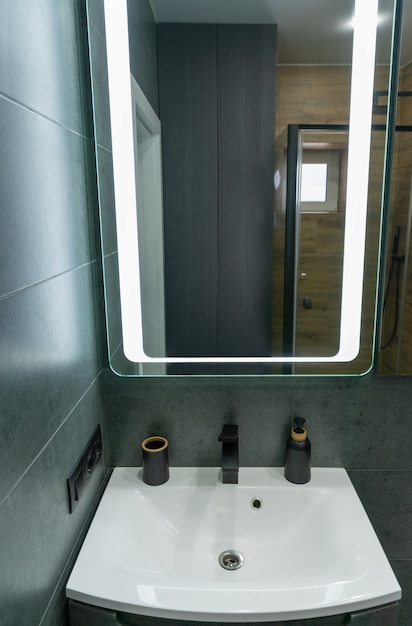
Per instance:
{"type": "Point", "coordinates": [84, 615]}
{"type": "Point", "coordinates": [216, 100]}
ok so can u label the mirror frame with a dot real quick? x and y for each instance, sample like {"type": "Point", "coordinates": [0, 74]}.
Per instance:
{"type": "Point", "coordinates": [363, 67]}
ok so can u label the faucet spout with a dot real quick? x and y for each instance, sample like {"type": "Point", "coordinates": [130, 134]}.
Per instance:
{"type": "Point", "coordinates": [230, 453]}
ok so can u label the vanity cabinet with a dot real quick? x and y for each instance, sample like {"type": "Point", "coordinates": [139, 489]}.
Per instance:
{"type": "Point", "coordinates": [86, 615]}
{"type": "Point", "coordinates": [217, 111]}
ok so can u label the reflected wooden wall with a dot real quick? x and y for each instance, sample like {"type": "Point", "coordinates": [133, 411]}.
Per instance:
{"type": "Point", "coordinates": [391, 361]}
{"type": "Point", "coordinates": [321, 95]}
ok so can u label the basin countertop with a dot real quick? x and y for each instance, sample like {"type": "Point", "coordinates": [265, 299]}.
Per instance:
{"type": "Point", "coordinates": [308, 550]}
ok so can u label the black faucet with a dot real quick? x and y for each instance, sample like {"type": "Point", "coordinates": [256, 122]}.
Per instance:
{"type": "Point", "coordinates": [230, 453]}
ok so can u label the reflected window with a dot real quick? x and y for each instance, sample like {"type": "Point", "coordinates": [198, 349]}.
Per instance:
{"type": "Point", "coordinates": [320, 181]}
{"type": "Point", "coordinates": [314, 182]}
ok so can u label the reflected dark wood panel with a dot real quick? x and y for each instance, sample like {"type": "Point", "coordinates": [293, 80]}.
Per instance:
{"type": "Point", "coordinates": [217, 94]}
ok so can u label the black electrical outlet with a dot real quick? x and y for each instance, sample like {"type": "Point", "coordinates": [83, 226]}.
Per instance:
{"type": "Point", "coordinates": [84, 468]}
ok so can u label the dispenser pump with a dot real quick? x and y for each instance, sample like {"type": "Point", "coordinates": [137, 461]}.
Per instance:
{"type": "Point", "coordinates": [298, 454]}
{"type": "Point", "coordinates": [298, 433]}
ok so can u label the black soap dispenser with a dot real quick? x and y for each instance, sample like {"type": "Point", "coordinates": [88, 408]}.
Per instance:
{"type": "Point", "coordinates": [298, 454]}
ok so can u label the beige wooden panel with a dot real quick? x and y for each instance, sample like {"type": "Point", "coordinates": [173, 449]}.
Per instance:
{"type": "Point", "coordinates": [321, 95]}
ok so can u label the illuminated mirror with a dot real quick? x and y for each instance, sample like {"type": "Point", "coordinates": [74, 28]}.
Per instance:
{"type": "Point", "coordinates": [133, 135]}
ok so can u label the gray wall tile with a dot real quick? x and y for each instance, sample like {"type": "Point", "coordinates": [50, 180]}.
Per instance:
{"type": "Point", "coordinates": [403, 572]}
{"type": "Point", "coordinates": [41, 58]}
{"type": "Point", "coordinates": [44, 544]}
{"type": "Point", "coordinates": [48, 335]}
{"type": "Point", "coordinates": [45, 196]}
{"type": "Point", "coordinates": [387, 498]}
{"type": "Point", "coordinates": [191, 412]}
{"type": "Point", "coordinates": [356, 422]}
{"type": "Point", "coordinates": [49, 319]}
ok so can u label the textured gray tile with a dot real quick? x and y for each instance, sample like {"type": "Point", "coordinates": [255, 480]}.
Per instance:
{"type": "Point", "coordinates": [49, 360]}
{"type": "Point", "coordinates": [352, 422]}
{"type": "Point", "coordinates": [356, 422]}
{"type": "Point", "coordinates": [403, 572]}
{"type": "Point", "coordinates": [40, 58]}
{"type": "Point", "coordinates": [48, 330]}
{"type": "Point", "coordinates": [190, 413]}
{"type": "Point", "coordinates": [387, 498]}
{"type": "Point", "coordinates": [45, 197]}
{"type": "Point", "coordinates": [38, 533]}
{"type": "Point", "coordinates": [57, 613]}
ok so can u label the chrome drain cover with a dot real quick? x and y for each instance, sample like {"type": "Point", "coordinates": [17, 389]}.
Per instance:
{"type": "Point", "coordinates": [230, 559]}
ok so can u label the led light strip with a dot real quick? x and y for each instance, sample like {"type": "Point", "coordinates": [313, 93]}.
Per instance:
{"type": "Point", "coordinates": [363, 66]}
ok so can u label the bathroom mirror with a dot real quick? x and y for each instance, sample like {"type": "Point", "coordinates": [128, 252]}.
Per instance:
{"type": "Point", "coordinates": [239, 329]}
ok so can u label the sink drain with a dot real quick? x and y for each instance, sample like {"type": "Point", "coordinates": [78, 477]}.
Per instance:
{"type": "Point", "coordinates": [256, 503]}
{"type": "Point", "coordinates": [230, 559]}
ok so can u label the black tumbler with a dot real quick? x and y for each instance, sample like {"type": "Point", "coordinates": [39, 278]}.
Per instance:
{"type": "Point", "coordinates": [155, 460]}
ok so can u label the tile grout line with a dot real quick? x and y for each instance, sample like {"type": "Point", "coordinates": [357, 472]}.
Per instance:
{"type": "Point", "coordinates": [85, 525]}
{"type": "Point", "coordinates": [38, 455]}
{"type": "Point", "coordinates": [45, 280]}
{"type": "Point", "coordinates": [25, 107]}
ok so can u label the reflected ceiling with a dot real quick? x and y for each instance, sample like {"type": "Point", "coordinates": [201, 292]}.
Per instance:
{"type": "Point", "coordinates": [326, 41]}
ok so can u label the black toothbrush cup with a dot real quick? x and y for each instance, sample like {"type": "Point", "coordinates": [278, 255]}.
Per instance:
{"type": "Point", "coordinates": [155, 460]}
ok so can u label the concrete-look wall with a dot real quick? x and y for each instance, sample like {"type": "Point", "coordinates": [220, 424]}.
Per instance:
{"type": "Point", "coordinates": [50, 270]}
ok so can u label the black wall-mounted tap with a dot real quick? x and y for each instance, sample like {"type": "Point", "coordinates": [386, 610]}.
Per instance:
{"type": "Point", "coordinates": [230, 453]}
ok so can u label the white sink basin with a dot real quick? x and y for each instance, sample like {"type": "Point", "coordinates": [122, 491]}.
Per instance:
{"type": "Point", "coordinates": [308, 551]}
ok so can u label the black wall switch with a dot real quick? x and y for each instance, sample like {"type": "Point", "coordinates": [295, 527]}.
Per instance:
{"type": "Point", "coordinates": [84, 468]}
